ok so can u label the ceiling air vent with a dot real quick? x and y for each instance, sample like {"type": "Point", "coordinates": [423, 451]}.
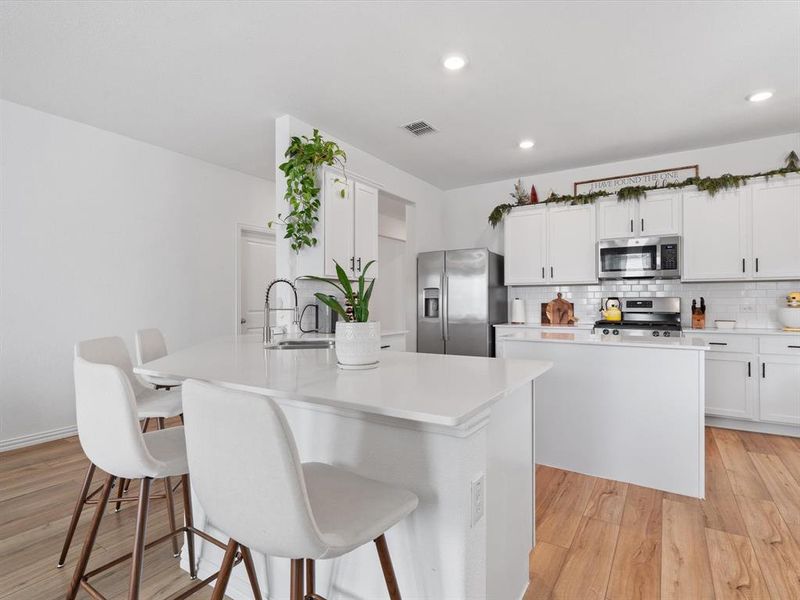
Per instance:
{"type": "Point", "coordinates": [419, 128]}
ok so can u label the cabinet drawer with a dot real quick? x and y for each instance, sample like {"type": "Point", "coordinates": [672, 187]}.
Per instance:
{"type": "Point", "coordinates": [726, 343]}
{"type": "Point", "coordinates": [780, 344]}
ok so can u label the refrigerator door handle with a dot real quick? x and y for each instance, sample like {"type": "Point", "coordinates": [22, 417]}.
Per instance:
{"type": "Point", "coordinates": [445, 308]}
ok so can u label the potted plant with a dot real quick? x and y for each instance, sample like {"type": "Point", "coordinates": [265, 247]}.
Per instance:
{"type": "Point", "coordinates": [358, 340]}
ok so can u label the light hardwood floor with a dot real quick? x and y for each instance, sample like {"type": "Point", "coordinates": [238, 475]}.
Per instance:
{"type": "Point", "coordinates": [596, 538]}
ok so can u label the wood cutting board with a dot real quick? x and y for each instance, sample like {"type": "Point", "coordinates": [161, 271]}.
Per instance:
{"type": "Point", "coordinates": [558, 312]}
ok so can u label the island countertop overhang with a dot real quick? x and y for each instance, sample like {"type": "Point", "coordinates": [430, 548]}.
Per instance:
{"type": "Point", "coordinates": [435, 389]}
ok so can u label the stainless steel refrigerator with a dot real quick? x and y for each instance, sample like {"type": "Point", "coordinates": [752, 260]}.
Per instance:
{"type": "Point", "coordinates": [460, 295]}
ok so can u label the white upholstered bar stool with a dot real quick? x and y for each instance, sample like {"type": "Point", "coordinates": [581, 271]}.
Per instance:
{"type": "Point", "coordinates": [150, 345]}
{"type": "Point", "coordinates": [150, 404]}
{"type": "Point", "coordinates": [248, 477]}
{"type": "Point", "coordinates": [109, 432]}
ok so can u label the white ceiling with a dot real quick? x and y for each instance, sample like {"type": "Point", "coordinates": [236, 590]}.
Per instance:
{"type": "Point", "coordinates": [590, 82]}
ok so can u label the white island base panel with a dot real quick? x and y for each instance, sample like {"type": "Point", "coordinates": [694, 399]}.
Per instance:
{"type": "Point", "coordinates": [628, 412]}
{"type": "Point", "coordinates": [438, 553]}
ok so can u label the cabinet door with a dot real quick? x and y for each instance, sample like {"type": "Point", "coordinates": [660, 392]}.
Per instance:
{"type": "Point", "coordinates": [776, 229]}
{"type": "Point", "coordinates": [615, 219]}
{"type": "Point", "coordinates": [729, 385]}
{"type": "Point", "coordinates": [571, 246]}
{"type": "Point", "coordinates": [525, 246]}
{"type": "Point", "coordinates": [779, 389]}
{"type": "Point", "coordinates": [659, 214]}
{"type": "Point", "coordinates": [714, 237]}
{"type": "Point", "coordinates": [338, 223]}
{"type": "Point", "coordinates": [366, 227]}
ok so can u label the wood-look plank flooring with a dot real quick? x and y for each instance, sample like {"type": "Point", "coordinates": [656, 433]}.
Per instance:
{"type": "Point", "coordinates": [614, 541]}
{"type": "Point", "coordinates": [596, 538]}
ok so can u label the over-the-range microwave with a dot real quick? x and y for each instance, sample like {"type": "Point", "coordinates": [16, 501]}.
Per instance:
{"type": "Point", "coordinates": [639, 258]}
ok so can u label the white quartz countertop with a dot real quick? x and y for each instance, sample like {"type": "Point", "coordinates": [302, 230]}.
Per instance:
{"type": "Point", "coordinates": [428, 388]}
{"type": "Point", "coordinates": [573, 335]}
{"type": "Point", "coordinates": [687, 330]}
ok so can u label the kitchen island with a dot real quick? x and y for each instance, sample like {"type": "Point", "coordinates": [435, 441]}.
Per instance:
{"type": "Point", "coordinates": [457, 431]}
{"type": "Point", "coordinates": [628, 408]}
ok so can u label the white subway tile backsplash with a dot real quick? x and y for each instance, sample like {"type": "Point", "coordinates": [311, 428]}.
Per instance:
{"type": "Point", "coordinates": [750, 303]}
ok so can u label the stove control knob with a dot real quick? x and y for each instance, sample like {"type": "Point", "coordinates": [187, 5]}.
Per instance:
{"type": "Point", "coordinates": [605, 331]}
{"type": "Point", "coordinates": [615, 332]}
{"type": "Point", "coordinates": [667, 334]}
{"type": "Point", "coordinates": [656, 334]}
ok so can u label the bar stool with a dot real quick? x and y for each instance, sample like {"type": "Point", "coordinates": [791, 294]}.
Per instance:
{"type": "Point", "coordinates": [150, 345]}
{"type": "Point", "coordinates": [150, 404]}
{"type": "Point", "coordinates": [109, 434]}
{"type": "Point", "coordinates": [249, 479]}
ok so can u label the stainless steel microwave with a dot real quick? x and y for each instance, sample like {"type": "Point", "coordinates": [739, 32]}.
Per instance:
{"type": "Point", "coordinates": [639, 258]}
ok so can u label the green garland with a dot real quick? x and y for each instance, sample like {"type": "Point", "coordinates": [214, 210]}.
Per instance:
{"type": "Point", "coordinates": [710, 185]}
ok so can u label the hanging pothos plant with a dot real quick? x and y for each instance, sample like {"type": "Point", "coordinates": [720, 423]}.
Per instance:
{"type": "Point", "coordinates": [304, 158]}
{"type": "Point", "coordinates": [710, 185]}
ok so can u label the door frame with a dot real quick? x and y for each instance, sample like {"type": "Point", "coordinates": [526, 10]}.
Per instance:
{"type": "Point", "coordinates": [242, 229]}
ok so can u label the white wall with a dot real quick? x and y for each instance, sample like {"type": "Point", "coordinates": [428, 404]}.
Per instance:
{"type": "Point", "coordinates": [101, 235]}
{"type": "Point", "coordinates": [466, 209]}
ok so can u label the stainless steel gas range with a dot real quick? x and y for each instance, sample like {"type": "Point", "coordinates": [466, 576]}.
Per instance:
{"type": "Point", "coordinates": [655, 317]}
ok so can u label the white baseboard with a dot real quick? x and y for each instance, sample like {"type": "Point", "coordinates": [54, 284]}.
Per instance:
{"type": "Point", "coordinates": [754, 426]}
{"type": "Point", "coordinates": [37, 438]}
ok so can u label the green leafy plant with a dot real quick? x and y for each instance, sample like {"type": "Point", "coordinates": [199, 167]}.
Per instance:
{"type": "Point", "coordinates": [357, 298]}
{"type": "Point", "coordinates": [500, 211]}
{"type": "Point", "coordinates": [304, 157]}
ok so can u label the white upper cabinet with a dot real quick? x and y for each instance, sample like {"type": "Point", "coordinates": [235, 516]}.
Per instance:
{"type": "Point", "coordinates": [571, 247]}
{"type": "Point", "coordinates": [525, 246]}
{"type": "Point", "coordinates": [714, 236]}
{"type": "Point", "coordinates": [338, 222]}
{"type": "Point", "coordinates": [550, 244]}
{"type": "Point", "coordinates": [347, 229]}
{"type": "Point", "coordinates": [659, 213]}
{"type": "Point", "coordinates": [366, 227]}
{"type": "Point", "coordinates": [776, 229]}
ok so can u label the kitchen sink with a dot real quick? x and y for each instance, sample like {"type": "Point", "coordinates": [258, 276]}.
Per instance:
{"type": "Point", "coordinates": [302, 345]}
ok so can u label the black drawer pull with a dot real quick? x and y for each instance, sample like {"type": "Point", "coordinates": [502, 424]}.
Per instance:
{"type": "Point", "coordinates": [749, 374]}
{"type": "Point", "coordinates": [763, 370]}
{"type": "Point", "coordinates": [717, 343]}
{"type": "Point", "coordinates": [796, 347]}
{"type": "Point", "coordinates": [742, 265]}
{"type": "Point", "coordinates": [386, 346]}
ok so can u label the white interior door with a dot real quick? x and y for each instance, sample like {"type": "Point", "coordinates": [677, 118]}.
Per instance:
{"type": "Point", "coordinates": [256, 270]}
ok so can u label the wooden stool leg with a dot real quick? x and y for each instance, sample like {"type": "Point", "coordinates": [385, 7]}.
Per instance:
{"type": "Point", "coordinates": [388, 569]}
{"type": "Point", "coordinates": [91, 535]}
{"type": "Point", "coordinates": [120, 485]}
{"type": "Point", "coordinates": [176, 551]}
{"type": "Point", "coordinates": [251, 571]}
{"type": "Point", "coordinates": [137, 559]}
{"type": "Point", "coordinates": [225, 571]}
{"type": "Point", "coordinates": [296, 582]}
{"type": "Point", "coordinates": [311, 578]}
{"type": "Point", "coordinates": [76, 514]}
{"type": "Point", "coordinates": [189, 520]}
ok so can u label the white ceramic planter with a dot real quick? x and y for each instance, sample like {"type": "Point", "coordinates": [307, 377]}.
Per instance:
{"type": "Point", "coordinates": [358, 344]}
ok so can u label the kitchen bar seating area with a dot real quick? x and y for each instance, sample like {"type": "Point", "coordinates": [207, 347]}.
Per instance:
{"type": "Point", "coordinates": [354, 300]}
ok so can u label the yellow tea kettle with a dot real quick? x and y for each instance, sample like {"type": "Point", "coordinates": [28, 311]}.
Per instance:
{"type": "Point", "coordinates": [611, 310]}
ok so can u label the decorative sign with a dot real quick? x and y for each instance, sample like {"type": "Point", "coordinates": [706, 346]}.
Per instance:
{"type": "Point", "coordinates": [649, 178]}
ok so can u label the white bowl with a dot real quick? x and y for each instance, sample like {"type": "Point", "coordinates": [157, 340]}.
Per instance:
{"type": "Point", "coordinates": [789, 317]}
{"type": "Point", "coordinates": [725, 323]}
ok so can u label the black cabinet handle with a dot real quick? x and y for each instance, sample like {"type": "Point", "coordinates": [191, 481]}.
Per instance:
{"type": "Point", "coordinates": [642, 224]}
{"type": "Point", "coordinates": [749, 373]}
{"type": "Point", "coordinates": [386, 346]}
{"type": "Point", "coordinates": [542, 272]}
{"type": "Point", "coordinates": [796, 347]}
{"type": "Point", "coordinates": [756, 265]}
{"type": "Point", "coordinates": [717, 343]}
{"type": "Point", "coordinates": [352, 263]}
{"type": "Point", "coordinates": [763, 370]}
{"type": "Point", "coordinates": [631, 225]}
{"type": "Point", "coordinates": [359, 263]}
{"type": "Point", "coordinates": [551, 272]}
{"type": "Point", "coordinates": [742, 265]}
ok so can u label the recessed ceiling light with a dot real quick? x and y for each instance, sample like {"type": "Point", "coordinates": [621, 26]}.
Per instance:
{"type": "Point", "coordinates": [454, 62]}
{"type": "Point", "coordinates": [759, 96]}
{"type": "Point", "coordinates": [526, 144]}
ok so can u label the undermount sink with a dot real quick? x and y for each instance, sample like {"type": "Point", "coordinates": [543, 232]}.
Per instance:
{"type": "Point", "coordinates": [302, 345]}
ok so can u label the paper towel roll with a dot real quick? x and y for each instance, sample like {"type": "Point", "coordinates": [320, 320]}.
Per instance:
{"type": "Point", "coordinates": [518, 311]}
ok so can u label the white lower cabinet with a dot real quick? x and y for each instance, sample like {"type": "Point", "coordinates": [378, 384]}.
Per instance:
{"type": "Point", "coordinates": [779, 389]}
{"type": "Point", "coordinates": [729, 385]}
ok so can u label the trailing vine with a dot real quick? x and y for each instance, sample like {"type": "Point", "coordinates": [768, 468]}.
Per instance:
{"type": "Point", "coordinates": [304, 158]}
{"type": "Point", "coordinates": [711, 185]}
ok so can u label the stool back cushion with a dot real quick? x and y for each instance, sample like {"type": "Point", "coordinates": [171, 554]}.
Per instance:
{"type": "Point", "coordinates": [246, 472]}
{"type": "Point", "coordinates": [108, 425]}
{"type": "Point", "coordinates": [111, 351]}
{"type": "Point", "coordinates": [150, 345]}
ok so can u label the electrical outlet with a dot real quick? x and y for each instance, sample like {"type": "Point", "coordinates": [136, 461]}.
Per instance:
{"type": "Point", "coordinates": [478, 498]}
{"type": "Point", "coordinates": [747, 307]}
